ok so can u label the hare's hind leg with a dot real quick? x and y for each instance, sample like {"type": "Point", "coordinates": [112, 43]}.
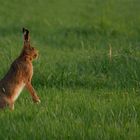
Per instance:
{"type": "Point", "coordinates": [33, 93]}
{"type": "Point", "coordinates": [9, 102]}
{"type": "Point", "coordinates": [3, 103]}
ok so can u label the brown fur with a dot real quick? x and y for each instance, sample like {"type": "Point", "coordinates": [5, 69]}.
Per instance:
{"type": "Point", "coordinates": [19, 75]}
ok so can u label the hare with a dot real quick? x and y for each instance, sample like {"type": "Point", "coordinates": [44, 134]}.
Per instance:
{"type": "Point", "coordinates": [19, 75]}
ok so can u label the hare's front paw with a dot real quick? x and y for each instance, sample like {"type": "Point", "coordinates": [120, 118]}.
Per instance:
{"type": "Point", "coordinates": [36, 100]}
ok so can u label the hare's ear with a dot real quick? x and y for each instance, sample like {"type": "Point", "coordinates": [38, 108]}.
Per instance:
{"type": "Point", "coordinates": [26, 34]}
{"type": "Point", "coordinates": [26, 37]}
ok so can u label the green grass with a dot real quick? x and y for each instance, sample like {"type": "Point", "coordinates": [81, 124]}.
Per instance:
{"type": "Point", "coordinates": [84, 95]}
{"type": "Point", "coordinates": [78, 114]}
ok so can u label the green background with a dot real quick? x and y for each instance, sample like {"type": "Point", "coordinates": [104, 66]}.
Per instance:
{"type": "Point", "coordinates": [85, 94]}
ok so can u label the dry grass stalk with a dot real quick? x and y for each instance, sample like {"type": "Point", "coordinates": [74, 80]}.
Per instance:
{"type": "Point", "coordinates": [110, 52]}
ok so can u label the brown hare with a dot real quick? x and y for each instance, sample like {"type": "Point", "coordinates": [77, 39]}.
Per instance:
{"type": "Point", "coordinates": [19, 75]}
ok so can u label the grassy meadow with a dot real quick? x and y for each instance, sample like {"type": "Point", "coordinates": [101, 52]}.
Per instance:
{"type": "Point", "coordinates": [86, 93]}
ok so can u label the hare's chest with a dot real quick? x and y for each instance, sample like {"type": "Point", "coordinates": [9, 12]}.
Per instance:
{"type": "Point", "coordinates": [28, 71]}
{"type": "Point", "coordinates": [18, 90]}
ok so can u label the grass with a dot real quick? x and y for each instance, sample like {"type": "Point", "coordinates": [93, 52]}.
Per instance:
{"type": "Point", "coordinates": [84, 94]}
{"type": "Point", "coordinates": [78, 114]}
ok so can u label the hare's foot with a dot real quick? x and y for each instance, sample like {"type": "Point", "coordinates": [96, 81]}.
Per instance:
{"type": "Point", "coordinates": [11, 106]}
{"type": "Point", "coordinates": [36, 99]}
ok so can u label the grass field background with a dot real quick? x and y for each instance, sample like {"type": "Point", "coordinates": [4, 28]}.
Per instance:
{"type": "Point", "coordinates": [84, 94]}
